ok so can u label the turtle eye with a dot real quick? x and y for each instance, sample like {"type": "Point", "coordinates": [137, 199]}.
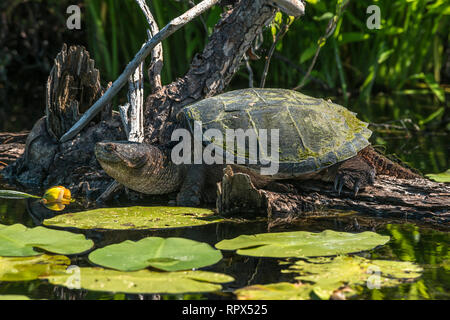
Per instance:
{"type": "Point", "coordinates": [110, 147]}
{"type": "Point", "coordinates": [140, 162]}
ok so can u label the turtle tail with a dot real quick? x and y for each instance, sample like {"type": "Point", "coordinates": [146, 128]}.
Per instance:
{"type": "Point", "coordinates": [385, 166]}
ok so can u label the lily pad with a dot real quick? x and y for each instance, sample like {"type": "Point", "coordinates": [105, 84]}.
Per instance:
{"type": "Point", "coordinates": [16, 195]}
{"type": "Point", "coordinates": [135, 218]}
{"type": "Point", "coordinates": [320, 278]}
{"type": "Point", "coordinates": [145, 281]}
{"type": "Point", "coordinates": [440, 177]}
{"type": "Point", "coordinates": [20, 241]}
{"type": "Point", "coordinates": [31, 268]}
{"type": "Point", "coordinates": [13, 297]}
{"type": "Point", "coordinates": [275, 291]}
{"type": "Point", "coordinates": [302, 243]}
{"type": "Point", "coordinates": [171, 254]}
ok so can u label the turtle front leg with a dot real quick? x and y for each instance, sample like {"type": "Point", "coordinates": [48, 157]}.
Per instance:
{"type": "Point", "coordinates": [190, 194]}
{"type": "Point", "coordinates": [355, 174]}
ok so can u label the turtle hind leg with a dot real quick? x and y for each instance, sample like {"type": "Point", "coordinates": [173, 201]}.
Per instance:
{"type": "Point", "coordinates": [355, 174]}
{"type": "Point", "coordinates": [190, 194]}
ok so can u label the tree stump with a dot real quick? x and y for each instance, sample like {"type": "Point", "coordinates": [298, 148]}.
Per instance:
{"type": "Point", "coordinates": [72, 87]}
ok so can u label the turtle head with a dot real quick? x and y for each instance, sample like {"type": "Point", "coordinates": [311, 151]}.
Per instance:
{"type": "Point", "coordinates": [139, 166]}
{"type": "Point", "coordinates": [294, 8]}
{"type": "Point", "coordinates": [122, 157]}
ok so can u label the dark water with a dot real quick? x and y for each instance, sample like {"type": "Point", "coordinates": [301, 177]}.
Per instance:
{"type": "Point", "coordinates": [426, 150]}
{"type": "Point", "coordinates": [409, 242]}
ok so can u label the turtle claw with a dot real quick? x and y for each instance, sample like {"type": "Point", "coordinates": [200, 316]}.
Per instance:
{"type": "Point", "coordinates": [339, 183]}
{"type": "Point", "coordinates": [355, 174]}
{"type": "Point", "coordinates": [356, 187]}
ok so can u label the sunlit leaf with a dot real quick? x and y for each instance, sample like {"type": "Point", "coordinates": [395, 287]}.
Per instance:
{"type": "Point", "coordinates": [172, 254]}
{"type": "Point", "coordinates": [440, 177]}
{"type": "Point", "coordinates": [302, 243]}
{"type": "Point", "coordinates": [31, 268]}
{"type": "Point", "coordinates": [135, 218]}
{"type": "Point", "coordinates": [13, 297]}
{"type": "Point", "coordinates": [20, 241]}
{"type": "Point", "coordinates": [145, 281]}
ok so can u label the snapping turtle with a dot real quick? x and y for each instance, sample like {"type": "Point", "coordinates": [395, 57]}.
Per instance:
{"type": "Point", "coordinates": [317, 140]}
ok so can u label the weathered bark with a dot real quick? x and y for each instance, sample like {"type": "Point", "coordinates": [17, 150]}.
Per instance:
{"type": "Point", "coordinates": [12, 146]}
{"type": "Point", "coordinates": [418, 199]}
{"type": "Point", "coordinates": [72, 87]}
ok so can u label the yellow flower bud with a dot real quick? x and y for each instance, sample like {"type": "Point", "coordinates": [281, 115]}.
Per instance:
{"type": "Point", "coordinates": [56, 198]}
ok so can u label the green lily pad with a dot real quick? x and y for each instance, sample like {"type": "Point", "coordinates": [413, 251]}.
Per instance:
{"type": "Point", "coordinates": [145, 281]}
{"type": "Point", "coordinates": [172, 254]}
{"type": "Point", "coordinates": [302, 243]}
{"type": "Point", "coordinates": [320, 278]}
{"type": "Point", "coordinates": [275, 291]}
{"type": "Point", "coordinates": [13, 297]}
{"type": "Point", "coordinates": [440, 177]}
{"type": "Point", "coordinates": [16, 195]}
{"type": "Point", "coordinates": [31, 268]}
{"type": "Point", "coordinates": [20, 241]}
{"type": "Point", "coordinates": [135, 218]}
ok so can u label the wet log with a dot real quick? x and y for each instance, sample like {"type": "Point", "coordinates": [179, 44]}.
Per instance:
{"type": "Point", "coordinates": [418, 199]}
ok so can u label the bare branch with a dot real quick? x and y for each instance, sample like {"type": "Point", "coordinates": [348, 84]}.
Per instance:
{"type": "Point", "coordinates": [168, 30]}
{"type": "Point", "coordinates": [124, 117]}
{"type": "Point", "coordinates": [156, 65]}
{"type": "Point", "coordinates": [136, 100]}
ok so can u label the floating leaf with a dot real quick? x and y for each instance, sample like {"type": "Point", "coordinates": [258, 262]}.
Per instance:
{"type": "Point", "coordinates": [440, 177]}
{"type": "Point", "coordinates": [320, 278]}
{"type": "Point", "coordinates": [172, 254]}
{"type": "Point", "coordinates": [275, 291]}
{"type": "Point", "coordinates": [19, 241]}
{"type": "Point", "coordinates": [302, 243]}
{"type": "Point", "coordinates": [13, 297]}
{"type": "Point", "coordinates": [145, 281]}
{"type": "Point", "coordinates": [135, 218]}
{"type": "Point", "coordinates": [15, 195]}
{"type": "Point", "coordinates": [31, 268]}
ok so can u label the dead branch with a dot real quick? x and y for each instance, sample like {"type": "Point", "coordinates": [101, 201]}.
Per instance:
{"type": "Point", "coordinates": [168, 30]}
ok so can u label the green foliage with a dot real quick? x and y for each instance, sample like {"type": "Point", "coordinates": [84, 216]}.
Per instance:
{"type": "Point", "coordinates": [302, 243]}
{"type": "Point", "coordinates": [440, 177]}
{"type": "Point", "coordinates": [171, 254]}
{"type": "Point", "coordinates": [132, 218]}
{"type": "Point", "coordinates": [406, 55]}
{"type": "Point", "coordinates": [16, 195]}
